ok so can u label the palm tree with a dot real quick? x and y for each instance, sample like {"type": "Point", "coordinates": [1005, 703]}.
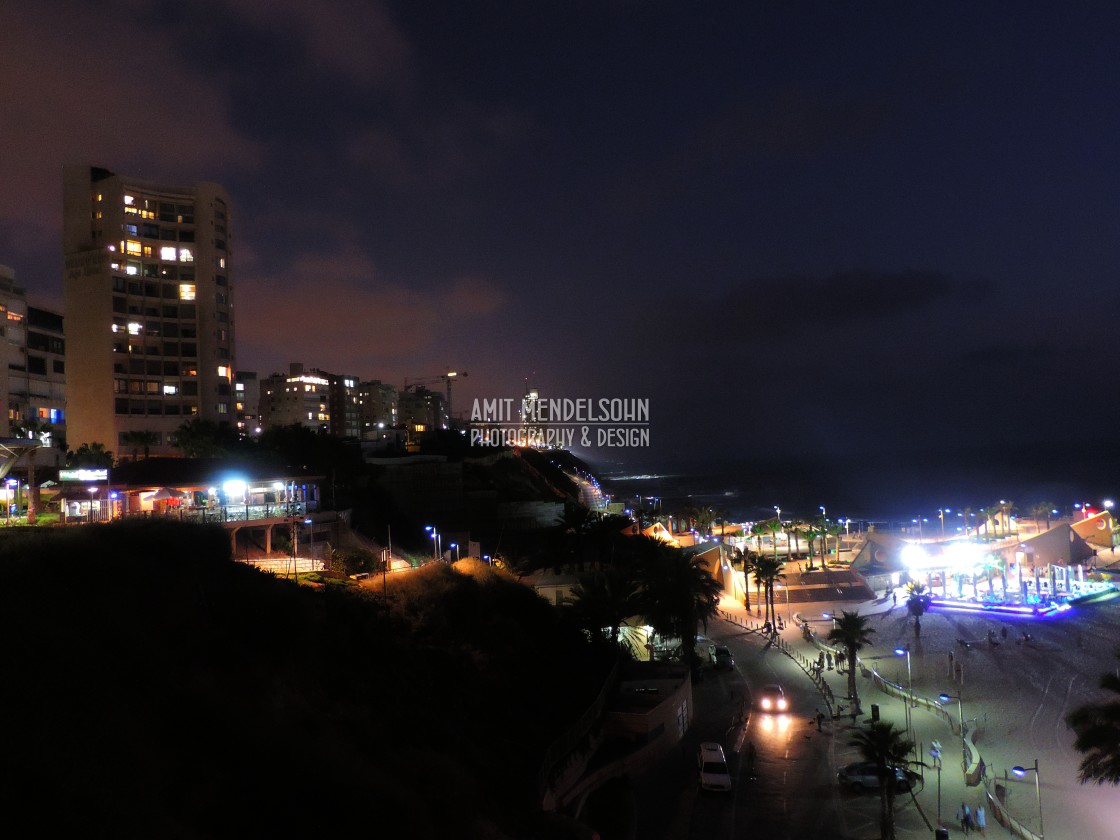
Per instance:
{"type": "Point", "coordinates": [792, 530]}
{"type": "Point", "coordinates": [888, 749]}
{"type": "Point", "coordinates": [810, 535]}
{"type": "Point", "coordinates": [1006, 508]}
{"type": "Point", "coordinates": [603, 599]}
{"type": "Point", "coordinates": [750, 559]}
{"type": "Point", "coordinates": [774, 527]}
{"type": "Point", "coordinates": [90, 455]}
{"type": "Point", "coordinates": [852, 633]}
{"type": "Point", "coordinates": [37, 430]}
{"type": "Point", "coordinates": [757, 530]}
{"type": "Point", "coordinates": [139, 439]}
{"type": "Point", "coordinates": [677, 592]}
{"type": "Point", "coordinates": [835, 530]}
{"type": "Point", "coordinates": [766, 571]}
{"type": "Point", "coordinates": [1097, 726]}
{"type": "Point", "coordinates": [1042, 510]}
{"type": "Point", "coordinates": [917, 603]}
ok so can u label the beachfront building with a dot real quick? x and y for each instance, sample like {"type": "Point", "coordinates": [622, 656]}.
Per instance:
{"type": "Point", "coordinates": [149, 292]}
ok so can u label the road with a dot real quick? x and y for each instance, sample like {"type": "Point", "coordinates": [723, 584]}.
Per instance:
{"type": "Point", "coordinates": [792, 792]}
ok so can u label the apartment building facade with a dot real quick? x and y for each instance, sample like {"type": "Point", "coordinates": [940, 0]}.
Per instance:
{"type": "Point", "coordinates": [149, 297]}
{"type": "Point", "coordinates": [33, 376]}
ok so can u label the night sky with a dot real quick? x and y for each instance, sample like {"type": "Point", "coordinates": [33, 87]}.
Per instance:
{"type": "Point", "coordinates": [857, 252]}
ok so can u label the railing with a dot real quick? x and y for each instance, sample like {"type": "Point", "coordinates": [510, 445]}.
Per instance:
{"type": "Point", "coordinates": [1004, 818]}
{"type": "Point", "coordinates": [227, 513]}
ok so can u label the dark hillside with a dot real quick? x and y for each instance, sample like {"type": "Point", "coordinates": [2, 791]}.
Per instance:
{"type": "Point", "coordinates": [154, 688]}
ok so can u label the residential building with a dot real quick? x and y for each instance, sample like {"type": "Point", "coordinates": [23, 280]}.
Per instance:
{"type": "Point", "coordinates": [345, 406]}
{"type": "Point", "coordinates": [247, 393]}
{"type": "Point", "coordinates": [297, 398]}
{"type": "Point", "coordinates": [422, 410]}
{"type": "Point", "coordinates": [377, 406]}
{"type": "Point", "coordinates": [149, 294]}
{"type": "Point", "coordinates": [34, 370]}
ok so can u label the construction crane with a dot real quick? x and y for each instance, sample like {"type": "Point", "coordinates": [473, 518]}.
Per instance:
{"type": "Point", "coordinates": [447, 378]}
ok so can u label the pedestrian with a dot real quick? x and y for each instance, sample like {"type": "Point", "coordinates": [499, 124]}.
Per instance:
{"type": "Point", "coordinates": [828, 659]}
{"type": "Point", "coordinates": [820, 661]}
{"type": "Point", "coordinates": [981, 819]}
{"type": "Point", "coordinates": [894, 598]}
{"type": "Point", "coordinates": [820, 718]}
{"type": "Point", "coordinates": [967, 820]}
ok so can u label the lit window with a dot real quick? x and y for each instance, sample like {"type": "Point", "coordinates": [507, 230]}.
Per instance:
{"type": "Point", "coordinates": [148, 251]}
{"type": "Point", "coordinates": [240, 386]}
{"type": "Point", "coordinates": [167, 253]}
{"type": "Point", "coordinates": [128, 200]}
{"type": "Point", "coordinates": [221, 262]}
{"type": "Point", "coordinates": [223, 371]}
{"type": "Point", "coordinates": [99, 196]}
{"type": "Point", "coordinates": [132, 268]}
{"type": "Point", "coordinates": [170, 390]}
{"type": "Point", "coordinates": [132, 247]}
{"type": "Point", "coordinates": [134, 328]}
{"type": "Point", "coordinates": [185, 255]}
{"type": "Point", "coordinates": [131, 210]}
{"type": "Point", "coordinates": [223, 408]}
{"type": "Point", "coordinates": [186, 291]}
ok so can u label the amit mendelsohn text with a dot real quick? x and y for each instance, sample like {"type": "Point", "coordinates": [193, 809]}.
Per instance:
{"type": "Point", "coordinates": [561, 410]}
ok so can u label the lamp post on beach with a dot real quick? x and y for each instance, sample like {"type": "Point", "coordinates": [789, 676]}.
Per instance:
{"type": "Point", "coordinates": [935, 754]}
{"type": "Point", "coordinates": [941, 513]}
{"type": "Point", "coordinates": [945, 698]}
{"type": "Point", "coordinates": [910, 687]}
{"type": "Point", "coordinates": [1022, 771]}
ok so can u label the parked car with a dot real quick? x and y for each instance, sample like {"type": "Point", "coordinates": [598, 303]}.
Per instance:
{"type": "Point", "coordinates": [723, 657]}
{"type": "Point", "coordinates": [713, 767]}
{"type": "Point", "coordinates": [864, 775]}
{"type": "Point", "coordinates": [772, 698]}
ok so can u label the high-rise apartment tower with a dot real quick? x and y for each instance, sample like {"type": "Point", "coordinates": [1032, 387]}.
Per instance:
{"type": "Point", "coordinates": [149, 307]}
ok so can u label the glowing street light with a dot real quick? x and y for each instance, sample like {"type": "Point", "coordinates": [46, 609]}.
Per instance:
{"type": "Point", "coordinates": [1022, 771]}
{"type": "Point", "coordinates": [941, 513]}
{"type": "Point", "coordinates": [431, 529]}
{"type": "Point", "coordinates": [456, 547]}
{"type": "Point", "coordinates": [945, 698]}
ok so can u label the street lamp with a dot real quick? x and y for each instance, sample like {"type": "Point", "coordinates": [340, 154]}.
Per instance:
{"type": "Point", "coordinates": [310, 542]}
{"type": "Point", "coordinates": [941, 513]}
{"type": "Point", "coordinates": [456, 547]}
{"type": "Point", "coordinates": [910, 687]}
{"type": "Point", "coordinates": [1022, 771]}
{"type": "Point", "coordinates": [785, 586]}
{"type": "Point", "coordinates": [435, 540]}
{"type": "Point", "coordinates": [92, 492]}
{"type": "Point", "coordinates": [935, 754]}
{"type": "Point", "coordinates": [824, 513]}
{"type": "Point", "coordinates": [945, 698]}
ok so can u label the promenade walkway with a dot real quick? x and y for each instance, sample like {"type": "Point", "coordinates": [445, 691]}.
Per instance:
{"type": "Point", "coordinates": [884, 682]}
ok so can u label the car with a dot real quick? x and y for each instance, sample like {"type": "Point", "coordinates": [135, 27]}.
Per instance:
{"type": "Point", "coordinates": [723, 657]}
{"type": "Point", "coordinates": [864, 775]}
{"type": "Point", "coordinates": [772, 698]}
{"type": "Point", "coordinates": [713, 767]}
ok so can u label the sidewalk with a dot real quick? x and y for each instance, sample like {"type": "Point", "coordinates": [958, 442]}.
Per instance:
{"type": "Point", "coordinates": [928, 726]}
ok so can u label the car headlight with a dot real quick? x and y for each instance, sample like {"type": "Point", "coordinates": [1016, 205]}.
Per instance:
{"type": "Point", "coordinates": [782, 704]}
{"type": "Point", "coordinates": [766, 702]}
